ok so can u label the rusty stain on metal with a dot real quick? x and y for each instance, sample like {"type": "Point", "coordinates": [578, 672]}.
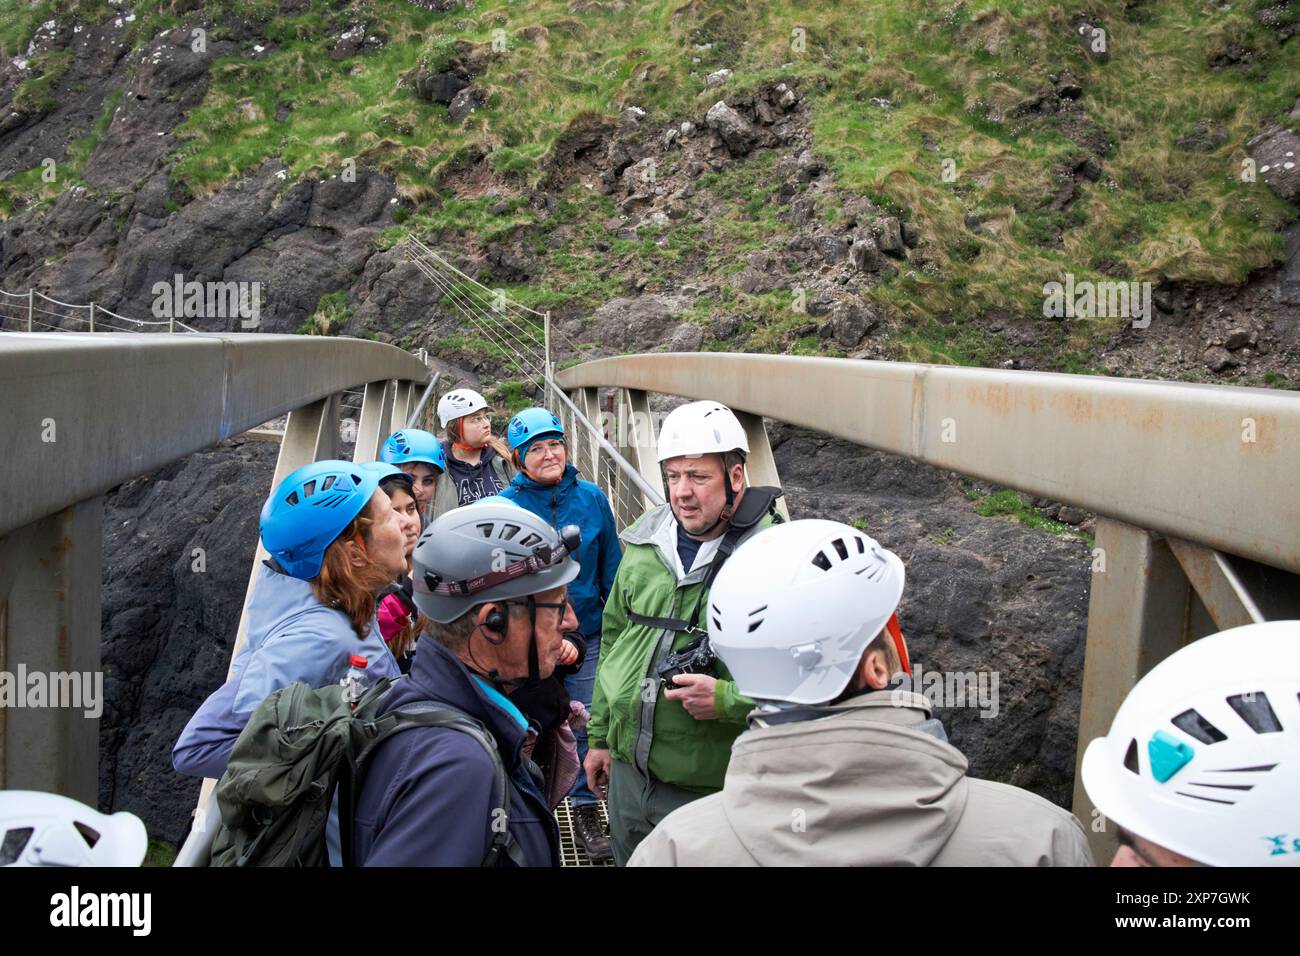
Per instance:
{"type": "Point", "coordinates": [994, 397]}
{"type": "Point", "coordinates": [1078, 408]}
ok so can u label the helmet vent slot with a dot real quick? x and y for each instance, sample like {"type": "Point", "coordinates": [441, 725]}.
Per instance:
{"type": "Point", "coordinates": [88, 834]}
{"type": "Point", "coordinates": [328, 483]}
{"type": "Point", "coordinates": [12, 847]}
{"type": "Point", "coordinates": [509, 531]}
{"type": "Point", "coordinates": [485, 530]}
{"type": "Point", "coordinates": [754, 625]}
{"type": "Point", "coordinates": [717, 624]}
{"type": "Point", "coordinates": [531, 540]}
{"type": "Point", "coordinates": [309, 489]}
{"type": "Point", "coordinates": [1259, 769]}
{"type": "Point", "coordinates": [822, 561]}
{"type": "Point", "coordinates": [1192, 723]}
{"type": "Point", "coordinates": [1256, 711]}
{"type": "Point", "coordinates": [862, 548]}
{"type": "Point", "coordinates": [1197, 796]}
{"type": "Point", "coordinates": [874, 571]}
{"type": "Point", "coordinates": [1131, 758]}
{"type": "Point", "coordinates": [842, 548]}
{"type": "Point", "coordinates": [292, 499]}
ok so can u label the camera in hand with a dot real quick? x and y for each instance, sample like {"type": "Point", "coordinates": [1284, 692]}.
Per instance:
{"type": "Point", "coordinates": [696, 657]}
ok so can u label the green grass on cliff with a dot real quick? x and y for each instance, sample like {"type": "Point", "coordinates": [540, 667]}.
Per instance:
{"type": "Point", "coordinates": [895, 88]}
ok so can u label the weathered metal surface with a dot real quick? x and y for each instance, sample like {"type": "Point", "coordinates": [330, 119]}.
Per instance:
{"type": "Point", "coordinates": [83, 413]}
{"type": "Point", "coordinates": [376, 421]}
{"type": "Point", "coordinates": [50, 587]}
{"type": "Point", "coordinates": [1225, 596]}
{"type": "Point", "coordinates": [1212, 464]}
{"type": "Point", "coordinates": [760, 468]}
{"type": "Point", "coordinates": [1137, 616]}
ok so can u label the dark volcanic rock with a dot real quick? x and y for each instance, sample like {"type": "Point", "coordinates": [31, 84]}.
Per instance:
{"type": "Point", "coordinates": [643, 323]}
{"type": "Point", "coordinates": [736, 131]}
{"type": "Point", "coordinates": [97, 65]}
{"type": "Point", "coordinates": [1277, 152]}
{"type": "Point", "coordinates": [298, 240]}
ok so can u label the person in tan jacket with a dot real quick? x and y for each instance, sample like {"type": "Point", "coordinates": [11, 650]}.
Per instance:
{"type": "Point", "coordinates": [842, 763]}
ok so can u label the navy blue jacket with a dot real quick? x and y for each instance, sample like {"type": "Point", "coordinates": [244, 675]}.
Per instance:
{"type": "Point", "coordinates": [428, 794]}
{"type": "Point", "coordinates": [574, 501]}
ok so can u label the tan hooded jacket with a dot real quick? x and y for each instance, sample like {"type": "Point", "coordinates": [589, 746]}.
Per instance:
{"type": "Point", "coordinates": [861, 788]}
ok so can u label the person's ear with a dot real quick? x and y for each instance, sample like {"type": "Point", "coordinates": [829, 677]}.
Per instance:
{"type": "Point", "coordinates": [493, 618]}
{"type": "Point", "coordinates": [356, 556]}
{"type": "Point", "coordinates": [737, 477]}
{"type": "Point", "coordinates": [873, 670]}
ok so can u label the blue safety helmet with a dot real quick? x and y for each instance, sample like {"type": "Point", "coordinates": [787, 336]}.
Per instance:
{"type": "Point", "coordinates": [386, 471]}
{"type": "Point", "coordinates": [532, 423]}
{"type": "Point", "coordinates": [414, 444]}
{"type": "Point", "coordinates": [312, 507]}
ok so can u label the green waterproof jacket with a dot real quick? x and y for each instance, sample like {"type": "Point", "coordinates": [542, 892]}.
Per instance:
{"type": "Point", "coordinates": [629, 713]}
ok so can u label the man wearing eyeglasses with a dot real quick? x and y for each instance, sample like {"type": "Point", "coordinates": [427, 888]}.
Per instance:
{"type": "Point", "coordinates": [493, 578]}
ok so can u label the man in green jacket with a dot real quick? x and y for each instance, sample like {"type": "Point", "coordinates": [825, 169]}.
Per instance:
{"type": "Point", "coordinates": [658, 743]}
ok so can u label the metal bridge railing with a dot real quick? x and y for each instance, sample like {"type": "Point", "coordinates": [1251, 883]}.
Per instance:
{"type": "Point", "coordinates": [84, 413]}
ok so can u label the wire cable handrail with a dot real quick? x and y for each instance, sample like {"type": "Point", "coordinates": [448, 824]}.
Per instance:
{"type": "Point", "coordinates": [525, 346]}
{"type": "Point", "coordinates": [66, 305]}
{"type": "Point", "coordinates": [447, 265]}
{"type": "Point", "coordinates": [93, 309]}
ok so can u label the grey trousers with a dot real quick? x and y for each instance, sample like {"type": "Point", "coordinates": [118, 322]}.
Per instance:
{"type": "Point", "coordinates": [636, 805]}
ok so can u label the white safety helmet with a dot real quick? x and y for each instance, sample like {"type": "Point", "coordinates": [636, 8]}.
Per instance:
{"type": "Point", "coordinates": [458, 403]}
{"type": "Point", "coordinates": [1203, 757]}
{"type": "Point", "coordinates": [792, 611]}
{"type": "Point", "coordinates": [701, 428]}
{"type": "Point", "coordinates": [46, 829]}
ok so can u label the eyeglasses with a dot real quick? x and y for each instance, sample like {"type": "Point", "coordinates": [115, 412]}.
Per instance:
{"type": "Point", "coordinates": [559, 606]}
{"type": "Point", "coordinates": [478, 418]}
{"type": "Point", "coordinates": [539, 449]}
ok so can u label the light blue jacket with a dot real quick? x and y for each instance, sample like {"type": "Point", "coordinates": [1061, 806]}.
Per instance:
{"type": "Point", "coordinates": [291, 637]}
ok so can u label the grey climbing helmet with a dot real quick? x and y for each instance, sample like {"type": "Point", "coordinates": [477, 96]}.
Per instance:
{"type": "Point", "coordinates": [489, 552]}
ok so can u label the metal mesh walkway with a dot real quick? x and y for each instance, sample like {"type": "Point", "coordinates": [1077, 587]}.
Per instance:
{"type": "Point", "coordinates": [571, 851]}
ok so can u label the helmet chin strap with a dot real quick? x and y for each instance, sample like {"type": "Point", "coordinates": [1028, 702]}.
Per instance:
{"type": "Point", "coordinates": [533, 672]}
{"type": "Point", "coordinates": [493, 676]}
